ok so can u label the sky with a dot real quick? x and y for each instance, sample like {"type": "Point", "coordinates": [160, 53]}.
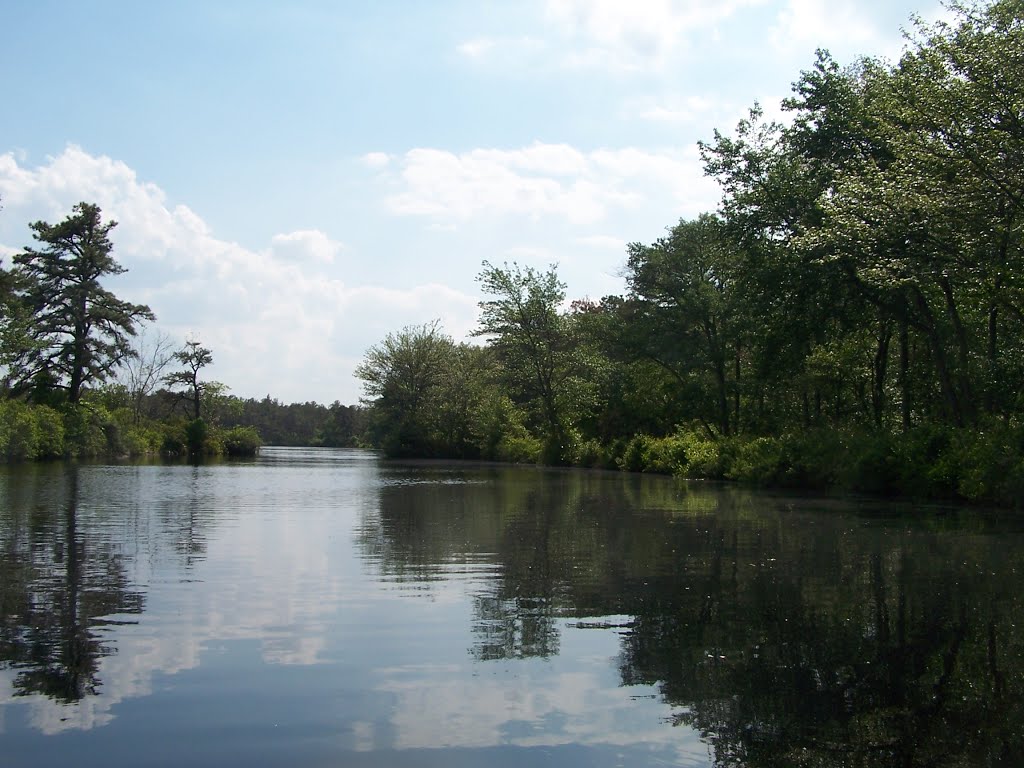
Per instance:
{"type": "Point", "coordinates": [294, 181]}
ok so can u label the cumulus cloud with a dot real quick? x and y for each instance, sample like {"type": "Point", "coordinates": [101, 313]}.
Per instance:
{"type": "Point", "coordinates": [376, 159]}
{"type": "Point", "coordinates": [603, 241]}
{"type": "Point", "coordinates": [477, 47]}
{"type": "Point", "coordinates": [502, 51]}
{"type": "Point", "coordinates": [305, 245]}
{"type": "Point", "coordinates": [278, 319]}
{"type": "Point", "coordinates": [691, 109]}
{"type": "Point", "coordinates": [609, 35]}
{"type": "Point", "coordinates": [544, 180]}
{"type": "Point", "coordinates": [804, 24]}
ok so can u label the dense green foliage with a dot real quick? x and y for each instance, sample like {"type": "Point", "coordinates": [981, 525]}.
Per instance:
{"type": "Point", "coordinates": [193, 357]}
{"type": "Point", "coordinates": [309, 423]}
{"type": "Point", "coordinates": [64, 336]}
{"type": "Point", "coordinates": [852, 316]}
{"type": "Point", "coordinates": [72, 331]}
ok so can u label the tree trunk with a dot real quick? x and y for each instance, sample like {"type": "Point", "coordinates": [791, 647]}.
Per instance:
{"type": "Point", "coordinates": [949, 393]}
{"type": "Point", "coordinates": [904, 374]}
{"type": "Point", "coordinates": [878, 371]}
{"type": "Point", "coordinates": [968, 407]}
{"type": "Point", "coordinates": [736, 395]}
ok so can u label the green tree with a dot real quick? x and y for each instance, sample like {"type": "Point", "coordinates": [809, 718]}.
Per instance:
{"type": "Point", "coordinates": [682, 315]}
{"type": "Point", "coordinates": [193, 357]}
{"type": "Point", "coordinates": [402, 377]}
{"type": "Point", "coordinates": [529, 337]}
{"type": "Point", "coordinates": [79, 330]}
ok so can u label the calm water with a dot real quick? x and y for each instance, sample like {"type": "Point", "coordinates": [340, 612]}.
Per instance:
{"type": "Point", "coordinates": [324, 608]}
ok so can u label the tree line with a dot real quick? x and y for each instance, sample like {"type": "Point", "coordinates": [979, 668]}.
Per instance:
{"type": "Point", "coordinates": [79, 379]}
{"type": "Point", "coordinates": [851, 315]}
{"type": "Point", "coordinates": [85, 373]}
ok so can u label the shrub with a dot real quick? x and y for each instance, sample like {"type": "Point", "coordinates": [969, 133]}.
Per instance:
{"type": "Point", "coordinates": [634, 456]}
{"type": "Point", "coordinates": [520, 448]}
{"type": "Point", "coordinates": [242, 441]}
{"type": "Point", "coordinates": [19, 431]}
{"type": "Point", "coordinates": [666, 455]}
{"type": "Point", "coordinates": [870, 465]}
{"type": "Point", "coordinates": [705, 458]}
{"type": "Point", "coordinates": [759, 461]}
{"type": "Point", "coordinates": [195, 437]}
{"type": "Point", "coordinates": [173, 440]}
{"type": "Point", "coordinates": [84, 433]}
{"type": "Point", "coordinates": [593, 455]}
{"type": "Point", "coordinates": [51, 433]}
{"type": "Point", "coordinates": [923, 462]}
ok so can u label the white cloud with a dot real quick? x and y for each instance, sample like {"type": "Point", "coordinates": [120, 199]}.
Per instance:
{"type": "Point", "coordinates": [640, 35]}
{"type": "Point", "coordinates": [530, 255]}
{"type": "Point", "coordinates": [477, 48]}
{"type": "Point", "coordinates": [305, 245]}
{"type": "Point", "coordinates": [691, 109]}
{"type": "Point", "coordinates": [809, 24]}
{"type": "Point", "coordinates": [279, 320]}
{"type": "Point", "coordinates": [376, 159]}
{"type": "Point", "coordinates": [545, 180]}
{"type": "Point", "coordinates": [503, 51]}
{"type": "Point", "coordinates": [609, 35]}
{"type": "Point", "coordinates": [603, 241]}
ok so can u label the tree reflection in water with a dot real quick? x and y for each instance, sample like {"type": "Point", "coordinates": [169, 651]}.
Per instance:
{"type": "Point", "coordinates": [56, 585]}
{"type": "Point", "coordinates": [784, 636]}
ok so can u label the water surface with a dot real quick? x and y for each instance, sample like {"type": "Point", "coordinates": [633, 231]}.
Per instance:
{"type": "Point", "coordinates": [326, 608]}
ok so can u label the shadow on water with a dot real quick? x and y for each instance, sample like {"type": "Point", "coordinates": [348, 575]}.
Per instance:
{"type": "Point", "coordinates": [785, 631]}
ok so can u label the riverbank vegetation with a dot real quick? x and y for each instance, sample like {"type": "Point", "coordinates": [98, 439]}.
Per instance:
{"type": "Point", "coordinates": [850, 317]}
{"type": "Point", "coordinates": [75, 385]}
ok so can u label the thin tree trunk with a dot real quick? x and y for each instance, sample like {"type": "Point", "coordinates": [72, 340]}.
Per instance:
{"type": "Point", "coordinates": [904, 374]}
{"type": "Point", "coordinates": [968, 407]}
{"type": "Point", "coordinates": [949, 393]}
{"type": "Point", "coordinates": [881, 364]}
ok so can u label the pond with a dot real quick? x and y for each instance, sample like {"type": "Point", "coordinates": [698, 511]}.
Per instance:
{"type": "Point", "coordinates": [319, 607]}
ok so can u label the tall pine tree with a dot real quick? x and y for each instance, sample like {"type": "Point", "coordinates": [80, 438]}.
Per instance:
{"type": "Point", "coordinates": [80, 330]}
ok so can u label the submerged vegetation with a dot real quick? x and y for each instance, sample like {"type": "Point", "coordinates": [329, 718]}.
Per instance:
{"type": "Point", "coordinates": [851, 316]}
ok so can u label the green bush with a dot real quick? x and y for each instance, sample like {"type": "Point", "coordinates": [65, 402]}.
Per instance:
{"type": "Point", "coordinates": [635, 454]}
{"type": "Point", "coordinates": [660, 455]}
{"type": "Point", "coordinates": [173, 441]}
{"type": "Point", "coordinates": [759, 461]}
{"type": "Point", "coordinates": [84, 433]}
{"type": "Point", "coordinates": [986, 465]}
{"type": "Point", "coordinates": [195, 437]}
{"type": "Point", "coordinates": [870, 465]}
{"type": "Point", "coordinates": [705, 458]}
{"type": "Point", "coordinates": [19, 431]}
{"type": "Point", "coordinates": [51, 433]}
{"type": "Point", "coordinates": [519, 448]}
{"type": "Point", "coordinates": [124, 437]}
{"type": "Point", "coordinates": [593, 455]}
{"type": "Point", "coordinates": [923, 463]}
{"type": "Point", "coordinates": [665, 455]}
{"type": "Point", "coordinates": [242, 441]}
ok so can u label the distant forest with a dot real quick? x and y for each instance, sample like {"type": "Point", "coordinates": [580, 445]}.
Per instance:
{"type": "Point", "coordinates": [85, 374]}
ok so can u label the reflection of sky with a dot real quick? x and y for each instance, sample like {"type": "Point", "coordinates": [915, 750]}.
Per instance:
{"type": "Point", "coordinates": [277, 634]}
{"type": "Point", "coordinates": [573, 698]}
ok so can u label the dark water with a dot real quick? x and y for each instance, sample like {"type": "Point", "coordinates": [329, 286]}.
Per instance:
{"type": "Point", "coordinates": [322, 608]}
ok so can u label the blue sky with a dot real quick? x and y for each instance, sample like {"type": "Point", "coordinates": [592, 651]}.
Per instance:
{"type": "Point", "coordinates": [294, 180]}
